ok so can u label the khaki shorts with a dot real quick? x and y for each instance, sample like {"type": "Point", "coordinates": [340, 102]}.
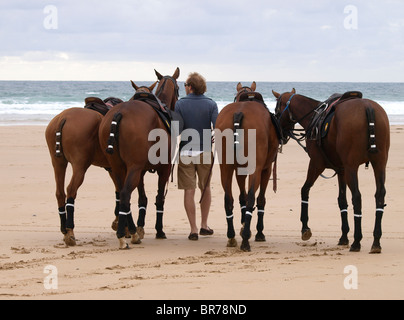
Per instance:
{"type": "Point", "coordinates": [187, 173]}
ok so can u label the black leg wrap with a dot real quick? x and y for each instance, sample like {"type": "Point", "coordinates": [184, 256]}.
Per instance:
{"type": "Point", "coordinates": [62, 215]}
{"type": "Point", "coordinates": [142, 217]}
{"type": "Point", "coordinates": [117, 204]}
{"type": "Point", "coordinates": [70, 213]}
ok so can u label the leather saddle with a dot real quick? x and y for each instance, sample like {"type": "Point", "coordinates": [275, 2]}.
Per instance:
{"type": "Point", "coordinates": [320, 124]}
{"type": "Point", "coordinates": [252, 96]}
{"type": "Point", "coordinates": [96, 104]}
{"type": "Point", "coordinates": [165, 114]}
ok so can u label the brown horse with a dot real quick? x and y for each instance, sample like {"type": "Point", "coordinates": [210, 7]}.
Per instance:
{"type": "Point", "coordinates": [124, 136]}
{"type": "Point", "coordinates": [72, 137]}
{"type": "Point", "coordinates": [358, 133]}
{"type": "Point", "coordinates": [249, 115]}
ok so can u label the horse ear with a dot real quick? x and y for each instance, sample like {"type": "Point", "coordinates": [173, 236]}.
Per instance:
{"type": "Point", "coordinates": [276, 94]}
{"type": "Point", "coordinates": [294, 91]}
{"type": "Point", "coordinates": [254, 86]}
{"type": "Point", "coordinates": [176, 74]}
{"type": "Point", "coordinates": [159, 76]}
{"type": "Point", "coordinates": [239, 86]}
{"type": "Point", "coordinates": [134, 85]}
{"type": "Point", "coordinates": [151, 88]}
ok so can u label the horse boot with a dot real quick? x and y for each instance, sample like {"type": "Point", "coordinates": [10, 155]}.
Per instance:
{"type": "Point", "coordinates": [70, 239]}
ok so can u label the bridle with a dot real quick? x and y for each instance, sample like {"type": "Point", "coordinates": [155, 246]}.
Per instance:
{"type": "Point", "coordinates": [292, 133]}
{"type": "Point", "coordinates": [162, 87]}
{"type": "Point", "coordinates": [242, 90]}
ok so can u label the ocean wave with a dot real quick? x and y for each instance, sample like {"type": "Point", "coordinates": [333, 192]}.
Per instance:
{"type": "Point", "coordinates": [11, 111]}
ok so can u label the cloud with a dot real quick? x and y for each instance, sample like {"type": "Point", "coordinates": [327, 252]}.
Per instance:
{"type": "Point", "coordinates": [262, 38]}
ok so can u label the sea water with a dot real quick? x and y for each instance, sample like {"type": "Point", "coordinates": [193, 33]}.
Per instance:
{"type": "Point", "coordinates": [37, 102]}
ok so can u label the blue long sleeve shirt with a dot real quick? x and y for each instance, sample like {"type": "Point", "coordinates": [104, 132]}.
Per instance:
{"type": "Point", "coordinates": [199, 113]}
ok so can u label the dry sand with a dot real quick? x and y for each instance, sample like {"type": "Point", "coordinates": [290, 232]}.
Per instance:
{"type": "Point", "coordinates": [284, 267]}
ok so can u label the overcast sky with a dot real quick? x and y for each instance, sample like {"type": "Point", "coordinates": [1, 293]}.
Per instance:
{"type": "Point", "coordinates": [225, 40]}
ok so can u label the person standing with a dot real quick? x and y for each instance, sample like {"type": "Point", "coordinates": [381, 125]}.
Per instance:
{"type": "Point", "coordinates": [199, 113]}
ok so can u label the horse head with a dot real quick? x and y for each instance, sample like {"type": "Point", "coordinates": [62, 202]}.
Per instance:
{"type": "Point", "coordinates": [241, 90]}
{"type": "Point", "coordinates": [168, 89]}
{"type": "Point", "coordinates": [282, 109]}
{"type": "Point", "coordinates": [143, 88]}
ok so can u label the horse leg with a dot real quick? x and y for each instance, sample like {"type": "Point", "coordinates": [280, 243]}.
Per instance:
{"type": "Point", "coordinates": [77, 180]}
{"type": "Point", "coordinates": [59, 167]}
{"type": "Point", "coordinates": [380, 175]}
{"type": "Point", "coordinates": [261, 202]}
{"type": "Point", "coordinates": [164, 175]}
{"type": "Point", "coordinates": [118, 186]}
{"type": "Point", "coordinates": [125, 214]}
{"type": "Point", "coordinates": [351, 176]}
{"type": "Point", "coordinates": [142, 204]}
{"type": "Point", "coordinates": [254, 182]}
{"type": "Point", "coordinates": [242, 199]}
{"type": "Point", "coordinates": [227, 177]}
{"type": "Point", "coordinates": [312, 175]}
{"type": "Point", "coordinates": [343, 205]}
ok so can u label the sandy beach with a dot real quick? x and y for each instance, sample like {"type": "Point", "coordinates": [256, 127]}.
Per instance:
{"type": "Point", "coordinates": [283, 267]}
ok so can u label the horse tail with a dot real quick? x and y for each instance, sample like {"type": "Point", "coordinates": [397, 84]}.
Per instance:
{"type": "Point", "coordinates": [59, 149]}
{"type": "Point", "coordinates": [370, 115]}
{"type": "Point", "coordinates": [113, 137]}
{"type": "Point", "coordinates": [237, 120]}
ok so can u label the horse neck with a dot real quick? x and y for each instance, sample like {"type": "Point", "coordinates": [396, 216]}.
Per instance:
{"type": "Point", "coordinates": [304, 107]}
{"type": "Point", "coordinates": [167, 94]}
{"type": "Point", "coordinates": [169, 100]}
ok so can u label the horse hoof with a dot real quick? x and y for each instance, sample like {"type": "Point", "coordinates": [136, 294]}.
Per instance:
{"type": "Point", "coordinates": [376, 250]}
{"type": "Point", "coordinates": [70, 239]}
{"type": "Point", "coordinates": [136, 239]}
{"type": "Point", "coordinates": [161, 235]}
{"type": "Point", "coordinates": [114, 225]}
{"type": "Point", "coordinates": [245, 246]}
{"type": "Point", "coordinates": [242, 230]}
{"type": "Point", "coordinates": [355, 248]}
{"type": "Point", "coordinates": [122, 244]}
{"type": "Point", "coordinates": [140, 232]}
{"type": "Point", "coordinates": [306, 235]}
{"type": "Point", "coordinates": [343, 242]}
{"type": "Point", "coordinates": [260, 237]}
{"type": "Point", "coordinates": [232, 243]}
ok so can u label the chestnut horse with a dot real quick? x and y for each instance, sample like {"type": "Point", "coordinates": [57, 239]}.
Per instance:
{"type": "Point", "coordinates": [72, 137]}
{"type": "Point", "coordinates": [358, 133]}
{"type": "Point", "coordinates": [237, 118]}
{"type": "Point", "coordinates": [124, 137]}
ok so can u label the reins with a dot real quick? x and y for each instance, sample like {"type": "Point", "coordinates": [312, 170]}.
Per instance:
{"type": "Point", "coordinates": [303, 136]}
